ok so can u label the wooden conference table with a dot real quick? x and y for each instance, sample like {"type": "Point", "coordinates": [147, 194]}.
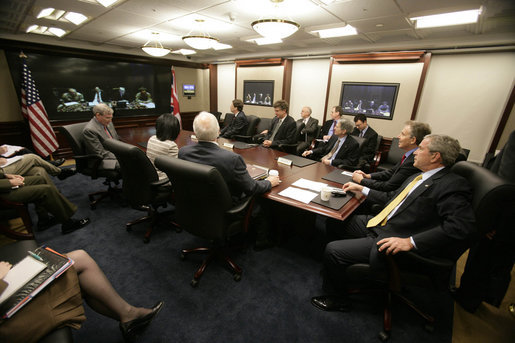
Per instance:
{"type": "Point", "coordinates": [264, 157]}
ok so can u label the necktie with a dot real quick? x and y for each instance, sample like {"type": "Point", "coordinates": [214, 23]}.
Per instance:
{"type": "Point", "coordinates": [333, 150]}
{"type": "Point", "coordinates": [403, 158]}
{"type": "Point", "coordinates": [276, 128]}
{"type": "Point", "coordinates": [381, 217]}
{"type": "Point", "coordinates": [107, 131]}
{"type": "Point", "coordinates": [361, 133]}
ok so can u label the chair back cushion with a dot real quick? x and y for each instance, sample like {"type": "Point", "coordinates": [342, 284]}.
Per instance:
{"type": "Point", "coordinates": [74, 137]}
{"type": "Point", "coordinates": [264, 124]}
{"type": "Point", "coordinates": [395, 153]}
{"type": "Point", "coordinates": [228, 119]}
{"type": "Point", "coordinates": [253, 122]}
{"type": "Point", "coordinates": [492, 198]}
{"type": "Point", "coordinates": [137, 172]}
{"type": "Point", "coordinates": [202, 197]}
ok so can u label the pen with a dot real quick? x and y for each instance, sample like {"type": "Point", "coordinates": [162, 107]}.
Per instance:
{"type": "Point", "coordinates": [37, 257]}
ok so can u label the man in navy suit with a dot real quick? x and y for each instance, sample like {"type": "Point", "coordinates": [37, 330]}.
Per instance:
{"type": "Point", "coordinates": [282, 129]}
{"type": "Point", "coordinates": [341, 149]}
{"type": "Point", "coordinates": [388, 180]}
{"type": "Point", "coordinates": [362, 129]}
{"type": "Point", "coordinates": [434, 219]}
{"type": "Point", "coordinates": [230, 165]}
{"type": "Point", "coordinates": [239, 124]}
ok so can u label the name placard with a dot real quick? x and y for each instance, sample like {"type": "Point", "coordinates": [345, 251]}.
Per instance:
{"type": "Point", "coordinates": [284, 161]}
{"type": "Point", "coordinates": [229, 145]}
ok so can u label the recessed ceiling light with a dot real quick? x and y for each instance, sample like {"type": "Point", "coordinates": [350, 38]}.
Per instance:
{"type": "Point", "coordinates": [379, 25]}
{"type": "Point", "coordinates": [45, 12]}
{"type": "Point", "coordinates": [36, 29]}
{"type": "Point", "coordinates": [447, 19]}
{"type": "Point", "coordinates": [265, 40]}
{"type": "Point", "coordinates": [57, 31]}
{"type": "Point", "coordinates": [221, 46]}
{"type": "Point", "coordinates": [106, 3]}
{"type": "Point", "coordinates": [76, 18]}
{"type": "Point", "coordinates": [346, 30]}
{"type": "Point", "coordinates": [185, 52]}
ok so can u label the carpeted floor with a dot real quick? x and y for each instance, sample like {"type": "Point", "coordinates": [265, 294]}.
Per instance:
{"type": "Point", "coordinates": [270, 304]}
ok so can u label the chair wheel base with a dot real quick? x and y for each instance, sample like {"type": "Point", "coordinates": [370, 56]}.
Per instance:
{"type": "Point", "coordinates": [384, 336]}
{"type": "Point", "coordinates": [237, 277]}
{"type": "Point", "coordinates": [194, 283]}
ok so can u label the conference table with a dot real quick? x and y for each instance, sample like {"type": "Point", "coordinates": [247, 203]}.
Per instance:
{"type": "Point", "coordinates": [267, 158]}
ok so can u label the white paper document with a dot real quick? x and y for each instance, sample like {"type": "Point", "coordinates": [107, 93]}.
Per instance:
{"type": "Point", "coordinates": [312, 185]}
{"type": "Point", "coordinates": [11, 150]}
{"type": "Point", "coordinates": [298, 194]}
{"type": "Point", "coordinates": [11, 161]}
{"type": "Point", "coordinates": [20, 274]}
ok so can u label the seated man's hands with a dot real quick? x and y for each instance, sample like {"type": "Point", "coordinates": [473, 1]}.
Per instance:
{"type": "Point", "coordinates": [15, 180]}
{"type": "Point", "coordinates": [4, 268]}
{"type": "Point", "coordinates": [353, 187]}
{"type": "Point", "coordinates": [274, 180]}
{"type": "Point", "coordinates": [264, 132]}
{"type": "Point", "coordinates": [326, 137]}
{"type": "Point", "coordinates": [3, 149]}
{"type": "Point", "coordinates": [393, 245]}
{"type": "Point", "coordinates": [359, 175]}
{"type": "Point", "coordinates": [267, 143]}
{"type": "Point", "coordinates": [307, 153]}
{"type": "Point", "coordinates": [326, 161]}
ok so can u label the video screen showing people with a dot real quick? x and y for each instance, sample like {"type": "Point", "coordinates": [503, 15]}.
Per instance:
{"type": "Point", "coordinates": [118, 97]}
{"type": "Point", "coordinates": [258, 93]}
{"type": "Point", "coordinates": [374, 100]}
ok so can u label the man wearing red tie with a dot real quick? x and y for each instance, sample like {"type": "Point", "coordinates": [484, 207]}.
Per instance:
{"type": "Point", "coordinates": [389, 180]}
{"type": "Point", "coordinates": [431, 213]}
{"type": "Point", "coordinates": [100, 128]}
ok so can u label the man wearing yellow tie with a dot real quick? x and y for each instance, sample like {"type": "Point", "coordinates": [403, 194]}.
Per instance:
{"type": "Point", "coordinates": [431, 213]}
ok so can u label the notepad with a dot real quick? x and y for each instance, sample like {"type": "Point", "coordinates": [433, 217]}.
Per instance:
{"type": "Point", "coordinates": [20, 274]}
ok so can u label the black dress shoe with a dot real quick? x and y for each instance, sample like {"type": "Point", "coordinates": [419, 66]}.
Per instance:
{"type": "Point", "coordinates": [47, 223]}
{"type": "Point", "coordinates": [74, 224]}
{"type": "Point", "coordinates": [131, 327]}
{"type": "Point", "coordinates": [331, 303]}
{"type": "Point", "coordinates": [57, 162]}
{"type": "Point", "coordinates": [66, 173]}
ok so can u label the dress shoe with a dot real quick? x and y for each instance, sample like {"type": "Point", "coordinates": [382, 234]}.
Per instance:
{"type": "Point", "coordinates": [46, 223]}
{"type": "Point", "coordinates": [66, 173]}
{"type": "Point", "coordinates": [131, 327]}
{"type": "Point", "coordinates": [57, 162]}
{"type": "Point", "coordinates": [74, 224]}
{"type": "Point", "coordinates": [331, 303]}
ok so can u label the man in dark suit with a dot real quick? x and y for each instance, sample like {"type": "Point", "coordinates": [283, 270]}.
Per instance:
{"type": "Point", "coordinates": [328, 127]}
{"type": "Point", "coordinates": [362, 129]}
{"type": "Point", "coordinates": [410, 137]}
{"type": "Point", "coordinates": [282, 129]}
{"type": "Point", "coordinates": [309, 128]}
{"type": "Point", "coordinates": [341, 149]}
{"type": "Point", "coordinates": [434, 217]}
{"type": "Point", "coordinates": [230, 165]}
{"type": "Point", "coordinates": [239, 124]}
{"type": "Point", "coordinates": [98, 129]}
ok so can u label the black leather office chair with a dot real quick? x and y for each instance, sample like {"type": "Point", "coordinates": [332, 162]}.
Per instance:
{"type": "Point", "coordinates": [141, 185]}
{"type": "Point", "coordinates": [491, 198]}
{"type": "Point", "coordinates": [292, 148]}
{"type": "Point", "coordinates": [264, 124]}
{"type": "Point", "coordinates": [229, 117]}
{"type": "Point", "coordinates": [15, 252]}
{"type": "Point", "coordinates": [11, 210]}
{"type": "Point", "coordinates": [394, 155]}
{"type": "Point", "coordinates": [361, 141]}
{"type": "Point", "coordinates": [377, 156]}
{"type": "Point", "coordinates": [204, 208]}
{"type": "Point", "coordinates": [251, 129]}
{"type": "Point", "coordinates": [89, 164]}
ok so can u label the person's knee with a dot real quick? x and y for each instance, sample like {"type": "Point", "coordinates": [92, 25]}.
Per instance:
{"type": "Point", "coordinates": [330, 252]}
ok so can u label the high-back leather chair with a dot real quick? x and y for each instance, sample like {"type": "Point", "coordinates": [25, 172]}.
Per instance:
{"type": "Point", "coordinates": [492, 197]}
{"type": "Point", "coordinates": [394, 155]}
{"type": "Point", "coordinates": [204, 208]}
{"type": "Point", "coordinates": [251, 129]}
{"type": "Point", "coordinates": [294, 148]}
{"type": "Point", "coordinates": [361, 141]}
{"type": "Point", "coordinates": [89, 164]}
{"type": "Point", "coordinates": [141, 185]}
{"type": "Point", "coordinates": [229, 117]}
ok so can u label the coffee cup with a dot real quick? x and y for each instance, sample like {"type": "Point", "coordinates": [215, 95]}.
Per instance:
{"type": "Point", "coordinates": [325, 194]}
{"type": "Point", "coordinates": [273, 172]}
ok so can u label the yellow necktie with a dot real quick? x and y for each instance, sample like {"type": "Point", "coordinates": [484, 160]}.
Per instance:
{"type": "Point", "coordinates": [333, 150]}
{"type": "Point", "coordinates": [381, 217]}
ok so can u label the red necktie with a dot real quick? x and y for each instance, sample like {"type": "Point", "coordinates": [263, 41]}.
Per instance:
{"type": "Point", "coordinates": [107, 131]}
{"type": "Point", "coordinates": [403, 158]}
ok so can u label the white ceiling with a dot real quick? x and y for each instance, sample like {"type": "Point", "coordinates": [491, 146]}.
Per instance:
{"type": "Point", "coordinates": [382, 25]}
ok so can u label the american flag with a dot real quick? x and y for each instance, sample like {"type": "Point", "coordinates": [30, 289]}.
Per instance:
{"type": "Point", "coordinates": [174, 100]}
{"type": "Point", "coordinates": [41, 132]}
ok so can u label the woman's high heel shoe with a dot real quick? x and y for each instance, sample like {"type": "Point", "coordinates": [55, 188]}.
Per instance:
{"type": "Point", "coordinates": [131, 327]}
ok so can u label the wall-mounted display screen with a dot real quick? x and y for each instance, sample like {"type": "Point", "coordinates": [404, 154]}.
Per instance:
{"type": "Point", "coordinates": [375, 100]}
{"type": "Point", "coordinates": [188, 90]}
{"type": "Point", "coordinates": [69, 87]}
{"type": "Point", "coordinates": [259, 93]}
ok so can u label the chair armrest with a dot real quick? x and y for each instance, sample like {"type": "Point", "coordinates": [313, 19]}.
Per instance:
{"type": "Point", "coordinates": [242, 138]}
{"type": "Point", "coordinates": [240, 207]}
{"type": "Point", "coordinates": [159, 183]}
{"type": "Point", "coordinates": [377, 160]}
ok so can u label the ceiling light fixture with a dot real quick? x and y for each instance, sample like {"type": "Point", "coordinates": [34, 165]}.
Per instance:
{"type": "Point", "coordinates": [221, 46]}
{"type": "Point", "coordinates": [185, 52]}
{"type": "Point", "coordinates": [265, 40]}
{"type": "Point", "coordinates": [275, 27]}
{"type": "Point", "coordinates": [153, 46]}
{"type": "Point", "coordinates": [447, 19]}
{"type": "Point", "coordinates": [45, 12]}
{"type": "Point", "coordinates": [106, 3]}
{"type": "Point", "coordinates": [201, 41]}
{"type": "Point", "coordinates": [76, 18]}
{"type": "Point", "coordinates": [346, 30]}
{"type": "Point", "coordinates": [57, 31]}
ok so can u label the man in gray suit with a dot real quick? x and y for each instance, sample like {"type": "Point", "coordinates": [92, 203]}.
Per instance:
{"type": "Point", "coordinates": [309, 130]}
{"type": "Point", "coordinates": [100, 128]}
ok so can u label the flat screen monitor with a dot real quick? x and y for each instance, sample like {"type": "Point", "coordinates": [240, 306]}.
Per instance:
{"type": "Point", "coordinates": [259, 93]}
{"type": "Point", "coordinates": [375, 100]}
{"type": "Point", "coordinates": [188, 90]}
